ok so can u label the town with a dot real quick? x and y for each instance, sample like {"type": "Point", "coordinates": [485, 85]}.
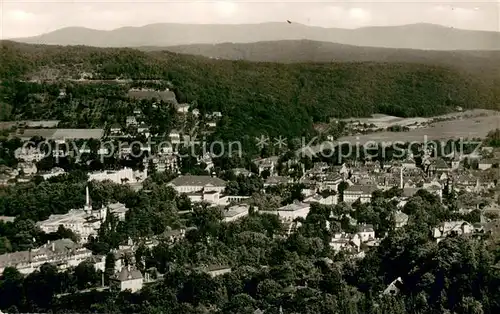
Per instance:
{"type": "Point", "coordinates": [286, 186]}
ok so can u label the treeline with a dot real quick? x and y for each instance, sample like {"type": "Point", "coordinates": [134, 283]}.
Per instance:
{"type": "Point", "coordinates": [275, 99]}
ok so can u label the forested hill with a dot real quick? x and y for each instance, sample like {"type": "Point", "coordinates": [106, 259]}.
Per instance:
{"type": "Point", "coordinates": [279, 99]}
{"type": "Point", "coordinates": [294, 51]}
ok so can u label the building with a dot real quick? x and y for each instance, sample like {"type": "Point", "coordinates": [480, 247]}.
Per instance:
{"type": "Point", "coordinates": [241, 171]}
{"type": "Point", "coordinates": [83, 222]}
{"type": "Point", "coordinates": [331, 182]}
{"type": "Point", "coordinates": [486, 164]}
{"type": "Point", "coordinates": [63, 253]}
{"type": "Point", "coordinates": [452, 227]}
{"type": "Point", "coordinates": [216, 270]}
{"type": "Point", "coordinates": [366, 233]}
{"type": "Point", "coordinates": [54, 172]}
{"type": "Point", "coordinates": [236, 212]}
{"type": "Point", "coordinates": [277, 180]}
{"type": "Point", "coordinates": [129, 278]}
{"type": "Point", "coordinates": [175, 137]}
{"type": "Point", "coordinates": [182, 108]}
{"type": "Point", "coordinates": [292, 211]}
{"type": "Point", "coordinates": [316, 198]}
{"type": "Point", "coordinates": [131, 121]}
{"type": "Point", "coordinates": [29, 154]}
{"type": "Point", "coordinates": [118, 210]}
{"type": "Point", "coordinates": [361, 192]}
{"type": "Point", "coordinates": [125, 175]}
{"type": "Point", "coordinates": [191, 184]}
{"type": "Point", "coordinates": [400, 219]}
{"type": "Point", "coordinates": [267, 164]}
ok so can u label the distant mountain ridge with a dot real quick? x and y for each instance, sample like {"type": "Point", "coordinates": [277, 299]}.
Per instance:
{"type": "Point", "coordinates": [413, 36]}
{"type": "Point", "coordinates": [296, 51]}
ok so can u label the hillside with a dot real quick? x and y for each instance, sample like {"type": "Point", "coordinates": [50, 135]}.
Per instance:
{"type": "Point", "coordinates": [415, 36]}
{"type": "Point", "coordinates": [294, 51]}
{"type": "Point", "coordinates": [277, 99]}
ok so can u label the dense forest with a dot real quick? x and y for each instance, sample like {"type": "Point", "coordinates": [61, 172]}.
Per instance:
{"type": "Point", "coordinates": [256, 98]}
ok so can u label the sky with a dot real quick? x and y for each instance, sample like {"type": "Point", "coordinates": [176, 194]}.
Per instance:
{"type": "Point", "coordinates": [23, 18]}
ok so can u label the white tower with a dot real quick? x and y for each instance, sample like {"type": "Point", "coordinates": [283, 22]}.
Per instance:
{"type": "Point", "coordinates": [88, 207]}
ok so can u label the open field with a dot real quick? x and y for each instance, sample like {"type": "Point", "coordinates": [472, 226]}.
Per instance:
{"type": "Point", "coordinates": [467, 125]}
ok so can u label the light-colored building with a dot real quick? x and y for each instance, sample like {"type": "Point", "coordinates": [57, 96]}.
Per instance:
{"type": "Point", "coordinates": [54, 172]}
{"type": "Point", "coordinates": [129, 278]}
{"type": "Point", "coordinates": [125, 175]}
{"type": "Point", "coordinates": [449, 227]}
{"type": "Point", "coordinates": [64, 253]}
{"type": "Point", "coordinates": [193, 184]}
{"type": "Point", "coordinates": [361, 192]}
{"type": "Point", "coordinates": [292, 211]}
{"type": "Point", "coordinates": [400, 219]}
{"type": "Point", "coordinates": [277, 180]}
{"type": "Point", "coordinates": [316, 198]}
{"type": "Point", "coordinates": [29, 154]}
{"type": "Point", "coordinates": [236, 212]}
{"type": "Point", "coordinates": [83, 222]}
{"type": "Point", "coordinates": [366, 233]}
{"type": "Point", "coordinates": [486, 164]}
{"type": "Point", "coordinates": [216, 270]}
{"type": "Point", "coordinates": [183, 108]}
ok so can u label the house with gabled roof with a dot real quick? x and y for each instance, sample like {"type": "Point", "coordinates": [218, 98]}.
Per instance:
{"type": "Point", "coordinates": [129, 278]}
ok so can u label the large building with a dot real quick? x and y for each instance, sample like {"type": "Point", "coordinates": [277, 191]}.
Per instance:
{"type": "Point", "coordinates": [193, 184]}
{"type": "Point", "coordinates": [125, 175]}
{"type": "Point", "coordinates": [83, 222]}
{"type": "Point", "coordinates": [359, 192]}
{"type": "Point", "coordinates": [292, 211]}
{"type": "Point", "coordinates": [64, 253]}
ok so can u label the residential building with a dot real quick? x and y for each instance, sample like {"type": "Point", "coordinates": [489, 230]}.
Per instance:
{"type": "Point", "coordinates": [29, 154]}
{"type": "Point", "coordinates": [129, 278]}
{"type": "Point", "coordinates": [131, 121]}
{"type": "Point", "coordinates": [366, 233]}
{"type": "Point", "coordinates": [64, 253]}
{"type": "Point", "coordinates": [452, 227]}
{"type": "Point", "coordinates": [277, 180]}
{"type": "Point", "coordinates": [27, 168]}
{"type": "Point", "coordinates": [331, 182]}
{"type": "Point", "coordinates": [400, 219]}
{"type": "Point", "coordinates": [175, 137]}
{"type": "Point", "coordinates": [190, 184]}
{"type": "Point", "coordinates": [438, 166]}
{"type": "Point", "coordinates": [183, 108]}
{"type": "Point", "coordinates": [267, 164]}
{"type": "Point", "coordinates": [118, 209]}
{"type": "Point", "coordinates": [241, 171]}
{"type": "Point", "coordinates": [361, 192]}
{"type": "Point", "coordinates": [486, 164]}
{"type": "Point", "coordinates": [316, 198]}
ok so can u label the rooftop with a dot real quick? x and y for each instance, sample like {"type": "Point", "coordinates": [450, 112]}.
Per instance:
{"type": "Point", "coordinates": [197, 181]}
